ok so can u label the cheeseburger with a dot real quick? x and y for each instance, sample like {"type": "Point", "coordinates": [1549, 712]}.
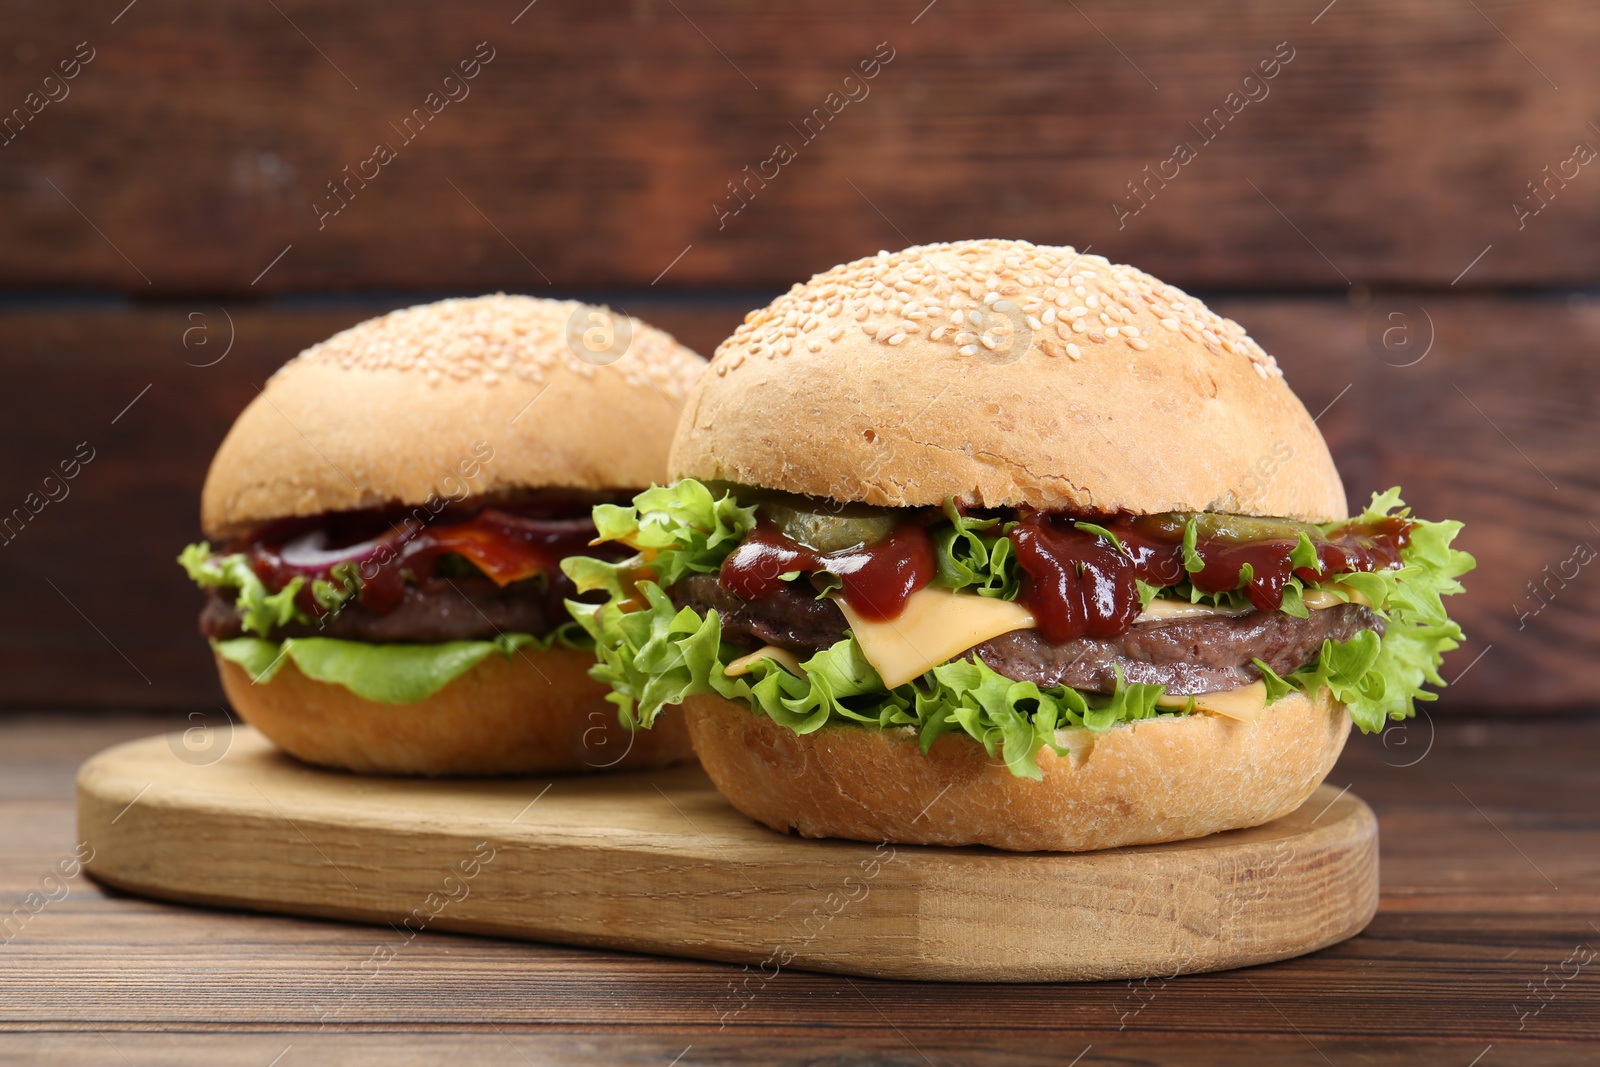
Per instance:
{"type": "Point", "coordinates": [996, 543]}
{"type": "Point", "coordinates": [386, 524]}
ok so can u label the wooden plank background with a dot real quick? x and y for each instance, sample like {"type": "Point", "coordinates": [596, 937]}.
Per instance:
{"type": "Point", "coordinates": [164, 203]}
{"type": "Point", "coordinates": [601, 134]}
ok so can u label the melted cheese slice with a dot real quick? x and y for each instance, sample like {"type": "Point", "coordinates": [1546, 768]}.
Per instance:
{"type": "Point", "coordinates": [1161, 610]}
{"type": "Point", "coordinates": [1244, 704]}
{"type": "Point", "coordinates": [781, 656]}
{"type": "Point", "coordinates": [936, 626]}
{"type": "Point", "coordinates": [1317, 599]}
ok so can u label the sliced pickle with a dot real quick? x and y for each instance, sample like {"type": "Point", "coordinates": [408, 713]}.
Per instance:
{"type": "Point", "coordinates": [1231, 529]}
{"type": "Point", "coordinates": [832, 530]}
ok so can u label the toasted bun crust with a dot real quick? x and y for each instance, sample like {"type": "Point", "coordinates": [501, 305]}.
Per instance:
{"type": "Point", "coordinates": [1136, 784]}
{"type": "Point", "coordinates": [875, 382]}
{"type": "Point", "coordinates": [537, 714]}
{"type": "Point", "coordinates": [401, 408]}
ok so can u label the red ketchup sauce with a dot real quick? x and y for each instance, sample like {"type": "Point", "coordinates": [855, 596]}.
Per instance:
{"type": "Point", "coordinates": [877, 579]}
{"type": "Point", "coordinates": [1077, 585]}
{"type": "Point", "coordinates": [505, 545]}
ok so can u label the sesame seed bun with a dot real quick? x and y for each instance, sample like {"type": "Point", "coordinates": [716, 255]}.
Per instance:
{"type": "Point", "coordinates": [1004, 373]}
{"type": "Point", "coordinates": [484, 399]}
{"type": "Point", "coordinates": [398, 409]}
{"type": "Point", "coordinates": [1135, 784]}
{"type": "Point", "coordinates": [535, 713]}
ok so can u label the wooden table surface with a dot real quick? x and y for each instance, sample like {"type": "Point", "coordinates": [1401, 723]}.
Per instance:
{"type": "Point", "coordinates": [1484, 952]}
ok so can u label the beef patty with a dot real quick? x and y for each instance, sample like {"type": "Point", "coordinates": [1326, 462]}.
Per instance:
{"type": "Point", "coordinates": [1199, 655]}
{"type": "Point", "coordinates": [434, 610]}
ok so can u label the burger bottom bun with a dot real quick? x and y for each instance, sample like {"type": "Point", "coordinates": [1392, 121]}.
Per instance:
{"type": "Point", "coordinates": [1136, 784]}
{"type": "Point", "coordinates": [535, 714]}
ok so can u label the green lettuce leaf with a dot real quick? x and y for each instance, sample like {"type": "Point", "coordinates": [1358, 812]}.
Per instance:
{"type": "Point", "coordinates": [1191, 558]}
{"type": "Point", "coordinates": [975, 554]}
{"type": "Point", "coordinates": [657, 655]}
{"type": "Point", "coordinates": [388, 674]}
{"type": "Point", "coordinates": [679, 530]}
{"type": "Point", "coordinates": [1304, 554]}
{"type": "Point", "coordinates": [262, 611]}
{"type": "Point", "coordinates": [1382, 679]}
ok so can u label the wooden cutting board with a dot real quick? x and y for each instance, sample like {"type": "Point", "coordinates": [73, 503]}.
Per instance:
{"type": "Point", "coordinates": [658, 862]}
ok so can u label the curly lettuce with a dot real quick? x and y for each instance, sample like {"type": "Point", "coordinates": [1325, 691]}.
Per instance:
{"type": "Point", "coordinates": [653, 655]}
{"type": "Point", "coordinates": [975, 554]}
{"type": "Point", "coordinates": [386, 673]}
{"type": "Point", "coordinates": [1380, 679]}
{"type": "Point", "coordinates": [679, 529]}
{"type": "Point", "coordinates": [657, 655]}
{"type": "Point", "coordinates": [262, 611]}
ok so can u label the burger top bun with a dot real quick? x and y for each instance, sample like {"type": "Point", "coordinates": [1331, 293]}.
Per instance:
{"type": "Point", "coordinates": [478, 397]}
{"type": "Point", "coordinates": [1004, 373]}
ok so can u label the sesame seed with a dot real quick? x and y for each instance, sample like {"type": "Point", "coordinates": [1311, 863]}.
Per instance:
{"type": "Point", "coordinates": [969, 350]}
{"type": "Point", "coordinates": [1139, 342]}
{"type": "Point", "coordinates": [1074, 351]}
{"type": "Point", "coordinates": [894, 292]}
{"type": "Point", "coordinates": [500, 337]}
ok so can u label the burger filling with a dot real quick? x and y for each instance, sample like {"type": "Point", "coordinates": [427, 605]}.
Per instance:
{"type": "Point", "coordinates": [1199, 654]}
{"type": "Point", "coordinates": [394, 604]}
{"type": "Point", "coordinates": [1009, 624]}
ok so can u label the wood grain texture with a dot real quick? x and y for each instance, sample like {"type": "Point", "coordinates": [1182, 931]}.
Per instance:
{"type": "Point", "coordinates": [600, 142]}
{"type": "Point", "coordinates": [657, 861]}
{"type": "Point", "coordinates": [517, 1047]}
{"type": "Point", "coordinates": [1472, 431]}
{"type": "Point", "coordinates": [1423, 984]}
